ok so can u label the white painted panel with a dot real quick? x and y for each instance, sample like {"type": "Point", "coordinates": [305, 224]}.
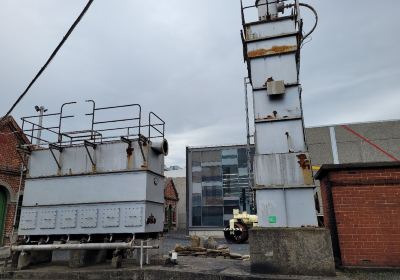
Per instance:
{"type": "Point", "coordinates": [270, 207]}
{"type": "Point", "coordinates": [41, 163]}
{"type": "Point", "coordinates": [107, 218]}
{"type": "Point", "coordinates": [108, 157]}
{"type": "Point", "coordinates": [286, 105]}
{"type": "Point", "coordinates": [269, 29]}
{"type": "Point", "coordinates": [271, 137]}
{"type": "Point", "coordinates": [279, 67]}
{"type": "Point", "coordinates": [157, 211]}
{"type": "Point", "coordinates": [301, 207]}
{"type": "Point", "coordinates": [286, 207]}
{"type": "Point", "coordinates": [113, 187]}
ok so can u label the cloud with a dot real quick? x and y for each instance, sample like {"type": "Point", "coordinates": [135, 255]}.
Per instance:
{"type": "Point", "coordinates": [183, 60]}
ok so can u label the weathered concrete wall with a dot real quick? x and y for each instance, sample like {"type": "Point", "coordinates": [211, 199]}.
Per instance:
{"type": "Point", "coordinates": [299, 251]}
{"type": "Point", "coordinates": [180, 185]}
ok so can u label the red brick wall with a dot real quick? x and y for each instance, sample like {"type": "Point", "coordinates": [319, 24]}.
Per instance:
{"type": "Point", "coordinates": [362, 208]}
{"type": "Point", "coordinates": [8, 153]}
{"type": "Point", "coordinates": [171, 198]}
{"type": "Point", "coordinates": [10, 164]}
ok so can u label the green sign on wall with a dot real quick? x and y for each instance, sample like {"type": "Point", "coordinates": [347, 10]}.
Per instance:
{"type": "Point", "coordinates": [272, 219]}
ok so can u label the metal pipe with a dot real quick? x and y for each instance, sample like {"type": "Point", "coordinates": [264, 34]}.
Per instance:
{"type": "Point", "coordinates": [147, 253]}
{"type": "Point", "coordinates": [93, 111]}
{"type": "Point", "coordinates": [246, 82]}
{"type": "Point", "coordinates": [41, 111]}
{"type": "Point", "coordinates": [18, 196]}
{"type": "Point", "coordinates": [141, 253]}
{"type": "Point", "coordinates": [85, 246]}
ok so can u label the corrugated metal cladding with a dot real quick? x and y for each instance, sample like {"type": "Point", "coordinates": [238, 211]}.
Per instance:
{"type": "Point", "coordinates": [118, 195]}
{"type": "Point", "coordinates": [282, 167]}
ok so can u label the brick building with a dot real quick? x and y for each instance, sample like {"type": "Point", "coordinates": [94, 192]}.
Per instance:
{"type": "Point", "coordinates": [11, 182]}
{"type": "Point", "coordinates": [171, 201]}
{"type": "Point", "coordinates": [362, 211]}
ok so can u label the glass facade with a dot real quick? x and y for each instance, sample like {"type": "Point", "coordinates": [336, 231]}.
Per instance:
{"type": "Point", "coordinates": [218, 184]}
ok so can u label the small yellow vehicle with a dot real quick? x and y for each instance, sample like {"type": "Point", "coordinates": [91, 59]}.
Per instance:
{"type": "Point", "coordinates": [238, 229]}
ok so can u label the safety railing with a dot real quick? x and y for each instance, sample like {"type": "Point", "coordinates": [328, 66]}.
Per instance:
{"type": "Point", "coordinates": [260, 3]}
{"type": "Point", "coordinates": [99, 130]}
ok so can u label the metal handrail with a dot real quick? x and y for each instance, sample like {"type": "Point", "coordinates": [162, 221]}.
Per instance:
{"type": "Point", "coordinates": [155, 126]}
{"type": "Point", "coordinates": [98, 128]}
{"type": "Point", "coordinates": [289, 3]}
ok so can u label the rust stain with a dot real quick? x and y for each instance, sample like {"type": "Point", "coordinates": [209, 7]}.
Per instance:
{"type": "Point", "coordinates": [273, 50]}
{"type": "Point", "coordinates": [129, 157]}
{"type": "Point", "coordinates": [305, 165]}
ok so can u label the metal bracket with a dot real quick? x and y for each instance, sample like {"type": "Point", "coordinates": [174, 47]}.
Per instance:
{"type": "Point", "coordinates": [59, 149]}
{"type": "Point", "coordinates": [25, 150]}
{"type": "Point", "coordinates": [143, 141]}
{"type": "Point", "coordinates": [126, 140]}
{"type": "Point", "coordinates": [94, 146]}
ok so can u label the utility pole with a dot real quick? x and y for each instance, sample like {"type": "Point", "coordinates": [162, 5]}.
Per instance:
{"type": "Point", "coordinates": [41, 110]}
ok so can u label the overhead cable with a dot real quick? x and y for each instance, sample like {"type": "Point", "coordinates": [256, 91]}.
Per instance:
{"type": "Point", "coordinates": [78, 19]}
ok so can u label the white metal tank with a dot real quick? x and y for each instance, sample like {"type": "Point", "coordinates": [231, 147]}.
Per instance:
{"type": "Point", "coordinates": [106, 180]}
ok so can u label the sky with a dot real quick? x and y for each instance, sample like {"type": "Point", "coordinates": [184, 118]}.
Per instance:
{"type": "Point", "coordinates": [183, 60]}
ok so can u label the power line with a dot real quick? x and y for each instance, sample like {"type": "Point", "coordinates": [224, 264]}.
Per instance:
{"type": "Point", "coordinates": [54, 53]}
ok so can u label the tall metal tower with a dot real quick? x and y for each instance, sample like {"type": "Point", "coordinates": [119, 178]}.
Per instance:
{"type": "Point", "coordinates": [283, 175]}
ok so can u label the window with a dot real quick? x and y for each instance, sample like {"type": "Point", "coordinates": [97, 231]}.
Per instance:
{"type": "Point", "coordinates": [242, 158]}
{"type": "Point", "coordinates": [196, 177]}
{"type": "Point", "coordinates": [196, 159]}
{"type": "Point", "coordinates": [230, 205]}
{"type": "Point", "coordinates": [196, 216]}
{"type": "Point", "coordinates": [211, 174]}
{"type": "Point", "coordinates": [211, 156]}
{"type": "Point", "coordinates": [212, 216]}
{"type": "Point", "coordinates": [212, 195]}
{"type": "Point", "coordinates": [196, 199]}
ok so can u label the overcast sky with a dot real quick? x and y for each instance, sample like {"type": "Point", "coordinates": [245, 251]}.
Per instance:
{"type": "Point", "coordinates": [183, 60]}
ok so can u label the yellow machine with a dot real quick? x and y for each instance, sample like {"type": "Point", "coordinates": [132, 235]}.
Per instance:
{"type": "Point", "coordinates": [238, 229]}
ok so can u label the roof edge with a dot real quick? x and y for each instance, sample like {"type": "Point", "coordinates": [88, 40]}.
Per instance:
{"type": "Point", "coordinates": [325, 168]}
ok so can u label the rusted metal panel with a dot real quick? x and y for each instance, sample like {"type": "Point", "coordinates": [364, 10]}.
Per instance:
{"type": "Point", "coordinates": [282, 170]}
{"type": "Point", "coordinates": [274, 50]}
{"type": "Point", "coordinates": [285, 106]}
{"type": "Point", "coordinates": [281, 67]}
{"type": "Point", "coordinates": [285, 136]}
{"type": "Point", "coordinates": [272, 47]}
